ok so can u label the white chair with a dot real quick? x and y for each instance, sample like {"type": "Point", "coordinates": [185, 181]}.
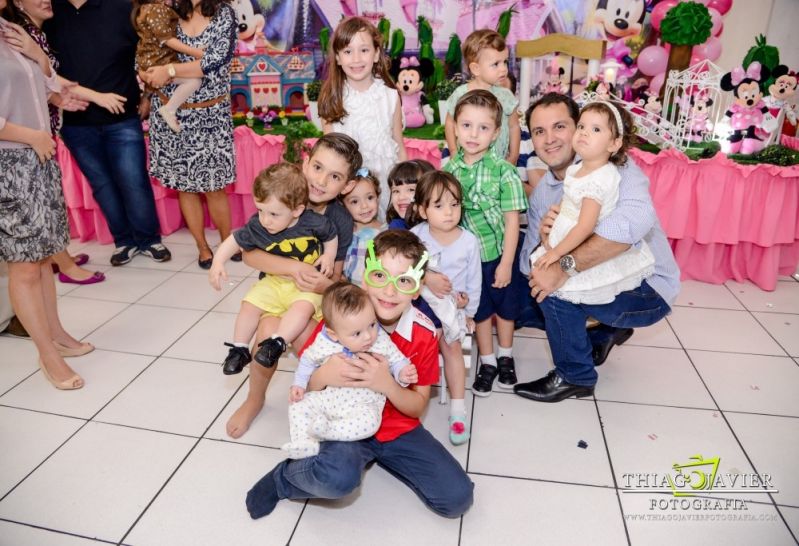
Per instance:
{"type": "Point", "coordinates": [469, 346]}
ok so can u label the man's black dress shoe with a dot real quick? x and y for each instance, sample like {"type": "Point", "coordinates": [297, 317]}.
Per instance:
{"type": "Point", "coordinates": [551, 388]}
{"type": "Point", "coordinates": [600, 352]}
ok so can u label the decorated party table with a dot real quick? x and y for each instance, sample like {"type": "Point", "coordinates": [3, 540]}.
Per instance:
{"type": "Point", "coordinates": [724, 220]}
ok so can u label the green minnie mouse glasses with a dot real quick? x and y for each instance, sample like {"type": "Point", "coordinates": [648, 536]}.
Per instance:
{"type": "Point", "coordinates": [406, 283]}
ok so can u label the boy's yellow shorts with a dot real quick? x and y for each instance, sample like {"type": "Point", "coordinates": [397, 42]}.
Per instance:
{"type": "Point", "coordinates": [274, 295]}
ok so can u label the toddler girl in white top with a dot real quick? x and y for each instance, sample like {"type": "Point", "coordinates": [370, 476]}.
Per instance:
{"type": "Point", "coordinates": [454, 261]}
{"type": "Point", "coordinates": [590, 193]}
{"type": "Point", "coordinates": [359, 99]}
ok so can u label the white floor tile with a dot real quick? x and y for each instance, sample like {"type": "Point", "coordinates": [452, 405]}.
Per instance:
{"type": "Point", "coordinates": [216, 477]}
{"type": "Point", "coordinates": [784, 328]}
{"type": "Point", "coordinates": [379, 501]}
{"type": "Point", "coordinates": [16, 534]}
{"type": "Point", "coordinates": [176, 396]}
{"type": "Point", "coordinates": [28, 437]}
{"type": "Point", "coordinates": [650, 439]}
{"type": "Point", "coordinates": [183, 236]}
{"type": "Point", "coordinates": [507, 429]}
{"type": "Point", "coordinates": [505, 511]}
{"type": "Point", "coordinates": [764, 527]}
{"type": "Point", "coordinates": [533, 360]}
{"type": "Point", "coordinates": [81, 316]}
{"type": "Point", "coordinates": [650, 375]}
{"type": "Point", "coordinates": [700, 294]}
{"type": "Point", "coordinates": [99, 482]}
{"type": "Point", "coordinates": [271, 427]}
{"type": "Point", "coordinates": [784, 299]}
{"type": "Point", "coordinates": [750, 383]}
{"type": "Point", "coordinates": [721, 330]}
{"type": "Point", "coordinates": [123, 284]}
{"type": "Point", "coordinates": [792, 517]}
{"type": "Point", "coordinates": [773, 445]}
{"type": "Point", "coordinates": [205, 340]}
{"type": "Point", "coordinates": [188, 291]}
{"type": "Point", "coordinates": [659, 334]}
{"type": "Point", "coordinates": [164, 326]}
{"type": "Point", "coordinates": [19, 361]}
{"type": "Point", "coordinates": [105, 373]}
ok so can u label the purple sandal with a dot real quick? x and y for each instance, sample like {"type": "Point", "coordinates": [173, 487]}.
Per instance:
{"type": "Point", "coordinates": [97, 277]}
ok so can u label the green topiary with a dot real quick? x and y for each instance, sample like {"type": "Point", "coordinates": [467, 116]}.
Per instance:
{"type": "Point", "coordinates": [687, 23]}
{"type": "Point", "coordinates": [312, 90]}
{"type": "Point", "coordinates": [766, 55]}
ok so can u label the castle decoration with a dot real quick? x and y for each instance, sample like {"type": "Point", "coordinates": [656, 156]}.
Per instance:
{"type": "Point", "coordinates": [262, 76]}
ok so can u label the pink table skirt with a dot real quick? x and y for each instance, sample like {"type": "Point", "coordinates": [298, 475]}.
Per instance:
{"type": "Point", "coordinates": [253, 153]}
{"type": "Point", "coordinates": [725, 220]}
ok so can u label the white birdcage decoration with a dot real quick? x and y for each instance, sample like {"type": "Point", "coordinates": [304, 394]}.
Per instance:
{"type": "Point", "coordinates": [701, 81]}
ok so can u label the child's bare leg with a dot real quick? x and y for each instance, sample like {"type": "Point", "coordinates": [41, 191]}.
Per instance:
{"type": "Point", "coordinates": [185, 89]}
{"type": "Point", "coordinates": [246, 323]}
{"type": "Point", "coordinates": [505, 329]}
{"type": "Point", "coordinates": [243, 417]}
{"type": "Point", "coordinates": [485, 338]}
{"type": "Point", "coordinates": [454, 368]}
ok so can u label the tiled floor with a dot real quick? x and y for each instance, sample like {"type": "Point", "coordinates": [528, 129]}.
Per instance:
{"type": "Point", "coordinates": [140, 455]}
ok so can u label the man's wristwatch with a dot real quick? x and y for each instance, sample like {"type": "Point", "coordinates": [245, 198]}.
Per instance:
{"type": "Point", "coordinates": [170, 69]}
{"type": "Point", "coordinates": [568, 265]}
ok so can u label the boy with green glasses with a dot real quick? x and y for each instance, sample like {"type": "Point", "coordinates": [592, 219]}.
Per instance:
{"type": "Point", "coordinates": [395, 267]}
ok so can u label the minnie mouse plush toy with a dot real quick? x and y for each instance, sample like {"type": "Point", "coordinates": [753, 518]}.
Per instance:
{"type": "Point", "coordinates": [748, 111]}
{"type": "Point", "coordinates": [409, 73]}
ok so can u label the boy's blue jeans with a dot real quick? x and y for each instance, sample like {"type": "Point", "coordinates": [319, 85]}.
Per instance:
{"type": "Point", "coordinates": [415, 458]}
{"type": "Point", "coordinates": [113, 160]}
{"type": "Point", "coordinates": [571, 344]}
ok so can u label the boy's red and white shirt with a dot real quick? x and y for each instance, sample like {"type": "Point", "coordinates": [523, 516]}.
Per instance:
{"type": "Point", "coordinates": [415, 337]}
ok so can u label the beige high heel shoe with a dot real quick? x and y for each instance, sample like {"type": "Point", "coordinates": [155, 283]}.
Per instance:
{"type": "Point", "coordinates": [74, 382]}
{"type": "Point", "coordinates": [66, 352]}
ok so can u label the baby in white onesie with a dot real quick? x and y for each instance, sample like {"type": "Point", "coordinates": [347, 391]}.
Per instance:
{"type": "Point", "coordinates": [341, 413]}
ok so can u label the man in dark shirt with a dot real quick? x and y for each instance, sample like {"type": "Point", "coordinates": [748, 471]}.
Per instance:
{"type": "Point", "coordinates": [95, 43]}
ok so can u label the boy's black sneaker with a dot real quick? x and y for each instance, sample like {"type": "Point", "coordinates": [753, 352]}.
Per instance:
{"type": "Point", "coordinates": [484, 380]}
{"type": "Point", "coordinates": [157, 252]}
{"type": "Point", "coordinates": [507, 372]}
{"type": "Point", "coordinates": [237, 358]}
{"type": "Point", "coordinates": [123, 254]}
{"type": "Point", "coordinates": [269, 351]}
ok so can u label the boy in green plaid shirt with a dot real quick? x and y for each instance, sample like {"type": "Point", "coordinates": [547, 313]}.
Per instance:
{"type": "Point", "coordinates": [493, 197]}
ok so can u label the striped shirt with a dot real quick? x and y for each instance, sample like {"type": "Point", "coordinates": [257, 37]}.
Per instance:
{"type": "Point", "coordinates": [491, 187]}
{"type": "Point", "coordinates": [633, 220]}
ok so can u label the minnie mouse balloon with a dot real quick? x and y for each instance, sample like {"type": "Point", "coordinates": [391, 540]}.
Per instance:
{"type": "Point", "coordinates": [715, 17]}
{"type": "Point", "coordinates": [653, 60]}
{"type": "Point", "coordinates": [710, 50]}
{"type": "Point", "coordinates": [656, 83]}
{"type": "Point", "coordinates": [722, 6]}
{"type": "Point", "coordinates": [659, 12]}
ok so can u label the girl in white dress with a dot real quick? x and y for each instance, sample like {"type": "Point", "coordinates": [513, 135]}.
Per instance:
{"type": "Point", "coordinates": [359, 99]}
{"type": "Point", "coordinates": [590, 193]}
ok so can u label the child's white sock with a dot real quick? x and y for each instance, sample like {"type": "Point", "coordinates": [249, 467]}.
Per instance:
{"type": "Point", "coordinates": [491, 360]}
{"type": "Point", "coordinates": [505, 351]}
{"type": "Point", "coordinates": [237, 344]}
{"type": "Point", "coordinates": [457, 407]}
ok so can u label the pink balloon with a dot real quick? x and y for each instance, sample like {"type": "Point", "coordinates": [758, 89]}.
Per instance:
{"type": "Point", "coordinates": [722, 6]}
{"type": "Point", "coordinates": [652, 60]}
{"type": "Point", "coordinates": [659, 12]}
{"type": "Point", "coordinates": [710, 50]}
{"type": "Point", "coordinates": [721, 29]}
{"type": "Point", "coordinates": [656, 83]}
{"type": "Point", "coordinates": [715, 17]}
{"type": "Point", "coordinates": [695, 59]}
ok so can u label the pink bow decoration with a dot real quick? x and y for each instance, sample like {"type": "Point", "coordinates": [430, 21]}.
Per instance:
{"type": "Point", "coordinates": [406, 62]}
{"type": "Point", "coordinates": [753, 72]}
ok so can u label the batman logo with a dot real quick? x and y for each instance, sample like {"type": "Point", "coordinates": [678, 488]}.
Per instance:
{"type": "Point", "coordinates": [305, 249]}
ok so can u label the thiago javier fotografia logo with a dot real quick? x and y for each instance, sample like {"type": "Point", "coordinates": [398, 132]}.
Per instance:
{"type": "Point", "coordinates": [699, 476]}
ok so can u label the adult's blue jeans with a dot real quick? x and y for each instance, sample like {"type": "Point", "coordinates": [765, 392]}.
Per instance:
{"type": "Point", "coordinates": [415, 458]}
{"type": "Point", "coordinates": [570, 342]}
{"type": "Point", "coordinates": [112, 157]}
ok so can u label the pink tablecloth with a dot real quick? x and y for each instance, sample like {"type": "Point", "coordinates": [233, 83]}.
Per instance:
{"type": "Point", "coordinates": [725, 220]}
{"type": "Point", "coordinates": [253, 153]}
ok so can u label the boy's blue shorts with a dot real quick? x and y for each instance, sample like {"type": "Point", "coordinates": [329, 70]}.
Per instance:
{"type": "Point", "coordinates": [503, 302]}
